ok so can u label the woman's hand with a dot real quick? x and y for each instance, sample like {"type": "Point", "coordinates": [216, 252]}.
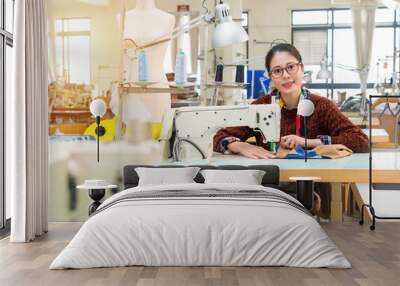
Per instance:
{"type": "Point", "coordinates": [291, 141]}
{"type": "Point", "coordinates": [250, 151]}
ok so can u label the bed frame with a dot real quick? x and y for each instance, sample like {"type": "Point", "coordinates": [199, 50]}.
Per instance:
{"type": "Point", "coordinates": [270, 179]}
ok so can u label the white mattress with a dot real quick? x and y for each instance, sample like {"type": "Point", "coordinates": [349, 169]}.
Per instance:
{"type": "Point", "coordinates": [200, 232]}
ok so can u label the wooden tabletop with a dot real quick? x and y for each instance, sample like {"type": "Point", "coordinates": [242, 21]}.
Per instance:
{"type": "Point", "coordinates": [351, 169]}
{"type": "Point", "coordinates": [379, 135]}
{"type": "Point", "coordinates": [385, 100]}
{"type": "Point", "coordinates": [358, 121]}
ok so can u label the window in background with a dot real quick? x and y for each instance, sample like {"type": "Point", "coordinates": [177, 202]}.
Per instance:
{"type": "Point", "coordinates": [2, 134]}
{"type": "Point", "coordinates": [9, 12]}
{"type": "Point", "coordinates": [341, 40]}
{"type": "Point", "coordinates": [245, 25]}
{"type": "Point", "coordinates": [8, 84]}
{"type": "Point", "coordinates": [342, 17]}
{"type": "Point", "coordinates": [384, 16]}
{"type": "Point", "coordinates": [312, 46]}
{"type": "Point", "coordinates": [6, 64]}
{"type": "Point", "coordinates": [379, 51]}
{"type": "Point", "coordinates": [398, 16]}
{"type": "Point", "coordinates": [344, 53]}
{"type": "Point", "coordinates": [73, 50]}
{"type": "Point", "coordinates": [318, 17]}
{"type": "Point", "coordinates": [313, 33]}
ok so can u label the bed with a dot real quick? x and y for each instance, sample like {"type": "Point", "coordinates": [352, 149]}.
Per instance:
{"type": "Point", "coordinates": [201, 224]}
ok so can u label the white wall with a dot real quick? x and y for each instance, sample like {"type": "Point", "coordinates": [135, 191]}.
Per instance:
{"type": "Point", "coordinates": [271, 19]}
{"type": "Point", "coordinates": [104, 33]}
{"type": "Point", "coordinates": [268, 20]}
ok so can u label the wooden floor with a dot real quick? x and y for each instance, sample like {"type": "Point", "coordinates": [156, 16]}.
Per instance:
{"type": "Point", "coordinates": [375, 257]}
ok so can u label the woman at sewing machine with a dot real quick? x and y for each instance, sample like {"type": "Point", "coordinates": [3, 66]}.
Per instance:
{"type": "Point", "coordinates": [327, 125]}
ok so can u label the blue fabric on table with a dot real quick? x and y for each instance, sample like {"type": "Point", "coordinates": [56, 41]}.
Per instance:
{"type": "Point", "coordinates": [300, 154]}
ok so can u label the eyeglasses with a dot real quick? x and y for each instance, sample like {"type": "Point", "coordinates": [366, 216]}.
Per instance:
{"type": "Point", "coordinates": [290, 68]}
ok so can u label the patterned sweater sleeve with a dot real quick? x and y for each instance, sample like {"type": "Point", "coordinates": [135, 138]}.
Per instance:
{"type": "Point", "coordinates": [341, 129]}
{"type": "Point", "coordinates": [232, 134]}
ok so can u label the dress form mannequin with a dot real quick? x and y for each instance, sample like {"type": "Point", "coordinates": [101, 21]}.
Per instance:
{"type": "Point", "coordinates": [144, 25]}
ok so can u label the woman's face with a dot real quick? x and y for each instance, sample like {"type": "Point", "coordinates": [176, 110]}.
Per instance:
{"type": "Point", "coordinates": [286, 73]}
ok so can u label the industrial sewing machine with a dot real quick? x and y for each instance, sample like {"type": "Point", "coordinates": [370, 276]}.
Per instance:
{"type": "Point", "coordinates": [190, 130]}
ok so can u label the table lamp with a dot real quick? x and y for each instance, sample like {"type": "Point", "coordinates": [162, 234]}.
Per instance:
{"type": "Point", "coordinates": [98, 108]}
{"type": "Point", "coordinates": [227, 32]}
{"type": "Point", "coordinates": [305, 109]}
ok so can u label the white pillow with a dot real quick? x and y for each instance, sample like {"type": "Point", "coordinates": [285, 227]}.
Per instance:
{"type": "Point", "coordinates": [248, 177]}
{"type": "Point", "coordinates": [166, 176]}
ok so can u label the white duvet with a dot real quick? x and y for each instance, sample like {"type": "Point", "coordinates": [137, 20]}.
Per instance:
{"type": "Point", "coordinates": [200, 231]}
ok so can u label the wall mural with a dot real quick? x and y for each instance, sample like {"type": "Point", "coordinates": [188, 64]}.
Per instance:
{"type": "Point", "coordinates": [131, 71]}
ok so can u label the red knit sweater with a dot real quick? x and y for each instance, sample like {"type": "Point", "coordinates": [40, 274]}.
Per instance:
{"type": "Point", "coordinates": [326, 120]}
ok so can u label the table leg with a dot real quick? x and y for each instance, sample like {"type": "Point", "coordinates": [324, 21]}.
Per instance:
{"type": "Point", "coordinates": [96, 195]}
{"type": "Point", "coordinates": [336, 203]}
{"type": "Point", "coordinates": [347, 199]}
{"type": "Point", "coordinates": [304, 192]}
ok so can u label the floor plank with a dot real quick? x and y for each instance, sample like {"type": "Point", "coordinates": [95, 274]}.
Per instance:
{"type": "Point", "coordinates": [375, 257]}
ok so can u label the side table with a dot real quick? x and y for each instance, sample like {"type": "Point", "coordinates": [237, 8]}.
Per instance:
{"type": "Point", "coordinates": [305, 189]}
{"type": "Point", "coordinates": [96, 190]}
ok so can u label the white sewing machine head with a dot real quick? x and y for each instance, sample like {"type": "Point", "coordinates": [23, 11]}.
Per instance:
{"type": "Point", "coordinates": [190, 130]}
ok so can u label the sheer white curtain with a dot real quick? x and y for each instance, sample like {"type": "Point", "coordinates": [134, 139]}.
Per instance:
{"type": "Point", "coordinates": [27, 123]}
{"type": "Point", "coordinates": [363, 27]}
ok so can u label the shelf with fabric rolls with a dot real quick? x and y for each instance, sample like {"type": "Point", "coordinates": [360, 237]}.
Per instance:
{"type": "Point", "coordinates": [72, 120]}
{"type": "Point", "coordinates": [231, 85]}
{"type": "Point", "coordinates": [126, 89]}
{"type": "Point", "coordinates": [67, 128]}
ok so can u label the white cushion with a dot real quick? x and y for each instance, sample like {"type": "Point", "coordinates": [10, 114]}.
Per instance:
{"type": "Point", "coordinates": [248, 177]}
{"type": "Point", "coordinates": [166, 176]}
